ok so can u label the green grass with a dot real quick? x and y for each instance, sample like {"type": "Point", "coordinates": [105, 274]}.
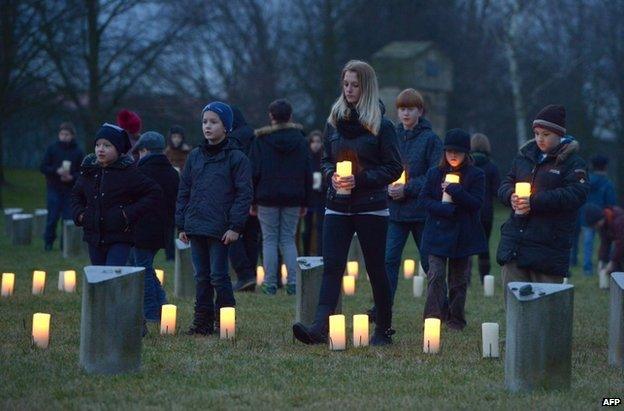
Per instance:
{"type": "Point", "coordinates": [265, 368]}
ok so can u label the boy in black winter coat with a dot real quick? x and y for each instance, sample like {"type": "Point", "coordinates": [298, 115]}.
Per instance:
{"type": "Point", "coordinates": [155, 229]}
{"type": "Point", "coordinates": [61, 167]}
{"type": "Point", "coordinates": [110, 197]}
{"type": "Point", "coordinates": [212, 208]}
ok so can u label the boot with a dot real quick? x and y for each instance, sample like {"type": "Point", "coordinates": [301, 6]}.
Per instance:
{"type": "Point", "coordinates": [382, 337]}
{"type": "Point", "coordinates": [245, 285]}
{"type": "Point", "coordinates": [314, 334]}
{"type": "Point", "coordinates": [202, 324]}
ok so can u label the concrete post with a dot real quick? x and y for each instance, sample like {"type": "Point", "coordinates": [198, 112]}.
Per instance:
{"type": "Point", "coordinates": [21, 232]}
{"type": "Point", "coordinates": [184, 273]}
{"type": "Point", "coordinates": [309, 279]}
{"type": "Point", "coordinates": [616, 320]}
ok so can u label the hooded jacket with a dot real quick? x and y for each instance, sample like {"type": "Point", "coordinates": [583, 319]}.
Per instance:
{"type": "Point", "coordinates": [541, 240]}
{"type": "Point", "coordinates": [241, 133]}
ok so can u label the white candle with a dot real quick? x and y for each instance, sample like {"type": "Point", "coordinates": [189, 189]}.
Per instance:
{"type": "Point", "coordinates": [418, 286]}
{"type": "Point", "coordinates": [41, 330]}
{"type": "Point", "coordinates": [449, 178]}
{"type": "Point", "coordinates": [401, 179]}
{"type": "Point", "coordinates": [284, 271]}
{"type": "Point", "coordinates": [61, 280]}
{"type": "Point", "coordinates": [38, 283]}
{"type": "Point", "coordinates": [353, 268]}
{"type": "Point", "coordinates": [360, 330]}
{"type": "Point", "coordinates": [488, 285]}
{"type": "Point", "coordinates": [348, 285]}
{"type": "Point", "coordinates": [523, 190]}
{"type": "Point", "coordinates": [489, 333]}
{"type": "Point", "coordinates": [337, 340]}
{"type": "Point", "coordinates": [66, 165]}
{"type": "Point", "coordinates": [431, 337]}
{"type": "Point", "coordinates": [228, 323]}
{"type": "Point", "coordinates": [69, 281]}
{"type": "Point", "coordinates": [168, 314]}
{"type": "Point", "coordinates": [160, 274]}
{"type": "Point", "coordinates": [409, 266]}
{"type": "Point", "coordinates": [603, 279]}
{"type": "Point", "coordinates": [259, 275]}
{"type": "Point", "coordinates": [343, 169]}
{"type": "Point", "coordinates": [8, 284]}
{"type": "Point", "coordinates": [565, 280]}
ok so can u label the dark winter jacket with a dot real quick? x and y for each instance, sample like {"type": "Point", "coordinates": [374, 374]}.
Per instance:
{"type": "Point", "coordinates": [215, 191]}
{"type": "Point", "coordinates": [155, 229]}
{"type": "Point", "coordinates": [601, 193]}
{"type": "Point", "coordinates": [282, 174]}
{"type": "Point", "coordinates": [53, 158]}
{"type": "Point", "coordinates": [453, 230]}
{"type": "Point", "coordinates": [612, 238]}
{"type": "Point", "coordinates": [375, 159]}
{"type": "Point", "coordinates": [541, 240]}
{"type": "Point", "coordinates": [241, 133]}
{"type": "Point", "coordinates": [420, 149]}
{"type": "Point", "coordinates": [492, 183]}
{"type": "Point", "coordinates": [111, 200]}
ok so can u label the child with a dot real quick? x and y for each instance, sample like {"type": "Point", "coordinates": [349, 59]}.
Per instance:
{"type": "Point", "coordinates": [110, 196]}
{"type": "Point", "coordinates": [316, 211]}
{"type": "Point", "coordinates": [452, 231]}
{"type": "Point", "coordinates": [213, 204]}
{"type": "Point", "coordinates": [609, 223]}
{"type": "Point", "coordinates": [177, 150]}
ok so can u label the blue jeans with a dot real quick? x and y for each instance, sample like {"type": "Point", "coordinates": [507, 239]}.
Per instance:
{"type": "Point", "coordinates": [110, 254]}
{"type": "Point", "coordinates": [210, 260]}
{"type": "Point", "coordinates": [154, 296]}
{"type": "Point", "coordinates": [396, 237]}
{"type": "Point", "coordinates": [588, 234]}
{"type": "Point", "coordinates": [279, 225]}
{"type": "Point", "coordinates": [57, 202]}
{"type": "Point", "coordinates": [244, 252]}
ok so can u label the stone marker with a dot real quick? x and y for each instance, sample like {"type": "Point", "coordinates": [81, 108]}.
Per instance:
{"type": "Point", "coordinates": [112, 319]}
{"type": "Point", "coordinates": [39, 222]}
{"type": "Point", "coordinates": [309, 279]}
{"type": "Point", "coordinates": [184, 273]}
{"type": "Point", "coordinates": [8, 219]}
{"type": "Point", "coordinates": [538, 350]}
{"type": "Point", "coordinates": [355, 254]}
{"type": "Point", "coordinates": [21, 232]}
{"type": "Point", "coordinates": [616, 320]}
{"type": "Point", "coordinates": [73, 246]}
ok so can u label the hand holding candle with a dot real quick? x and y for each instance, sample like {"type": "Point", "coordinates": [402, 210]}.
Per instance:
{"type": "Point", "coordinates": [523, 192]}
{"type": "Point", "coordinates": [344, 169]}
{"type": "Point", "coordinates": [449, 179]}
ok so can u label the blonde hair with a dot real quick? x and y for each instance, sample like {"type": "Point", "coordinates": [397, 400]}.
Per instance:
{"type": "Point", "coordinates": [480, 142]}
{"type": "Point", "coordinates": [368, 104]}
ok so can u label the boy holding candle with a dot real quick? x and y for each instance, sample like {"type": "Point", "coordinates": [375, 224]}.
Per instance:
{"type": "Point", "coordinates": [212, 207]}
{"type": "Point", "coordinates": [536, 239]}
{"type": "Point", "coordinates": [453, 230]}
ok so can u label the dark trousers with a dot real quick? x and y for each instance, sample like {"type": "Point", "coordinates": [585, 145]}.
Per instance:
{"type": "Point", "coordinates": [211, 275]}
{"type": "Point", "coordinates": [154, 295]}
{"type": "Point", "coordinates": [110, 254]}
{"type": "Point", "coordinates": [244, 252]}
{"type": "Point", "coordinates": [484, 258]}
{"type": "Point", "coordinates": [169, 245]}
{"type": "Point", "coordinates": [313, 222]}
{"type": "Point", "coordinates": [449, 309]}
{"type": "Point", "coordinates": [396, 238]}
{"type": "Point", "coordinates": [338, 232]}
{"type": "Point", "coordinates": [57, 202]}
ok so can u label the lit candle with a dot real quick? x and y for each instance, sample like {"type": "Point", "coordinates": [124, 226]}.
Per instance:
{"type": "Point", "coordinates": [343, 169]}
{"type": "Point", "coordinates": [419, 285]}
{"type": "Point", "coordinates": [401, 179]}
{"type": "Point", "coordinates": [66, 165]}
{"type": "Point", "coordinates": [41, 330]}
{"type": "Point", "coordinates": [348, 285]}
{"type": "Point", "coordinates": [408, 268]}
{"type": "Point", "coordinates": [565, 280]}
{"type": "Point", "coordinates": [38, 283]}
{"type": "Point", "coordinates": [69, 281]}
{"type": "Point", "coordinates": [259, 275]}
{"type": "Point", "coordinates": [489, 333]}
{"type": "Point", "coordinates": [168, 313]}
{"type": "Point", "coordinates": [8, 283]}
{"type": "Point", "coordinates": [488, 285]}
{"type": "Point", "coordinates": [284, 271]}
{"type": "Point", "coordinates": [431, 337]}
{"type": "Point", "coordinates": [337, 340]}
{"type": "Point", "coordinates": [449, 178]}
{"type": "Point", "coordinates": [523, 190]}
{"type": "Point", "coordinates": [160, 274]}
{"type": "Point", "coordinates": [228, 323]}
{"type": "Point", "coordinates": [353, 268]}
{"type": "Point", "coordinates": [360, 330]}
{"type": "Point", "coordinates": [603, 279]}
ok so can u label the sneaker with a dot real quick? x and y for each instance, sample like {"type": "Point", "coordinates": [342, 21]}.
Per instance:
{"type": "Point", "coordinates": [245, 285]}
{"type": "Point", "coordinates": [382, 337]}
{"type": "Point", "coordinates": [269, 289]}
{"type": "Point", "coordinates": [309, 335]}
{"type": "Point", "coordinates": [291, 289]}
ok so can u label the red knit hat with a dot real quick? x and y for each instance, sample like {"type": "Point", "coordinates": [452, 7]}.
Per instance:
{"type": "Point", "coordinates": [129, 121]}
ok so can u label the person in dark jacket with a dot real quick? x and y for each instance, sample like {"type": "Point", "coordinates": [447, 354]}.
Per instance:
{"type": "Point", "coordinates": [212, 208]}
{"type": "Point", "coordinates": [453, 230]}
{"type": "Point", "coordinates": [481, 151]}
{"type": "Point", "coordinates": [244, 253]}
{"type": "Point", "coordinates": [601, 193]}
{"type": "Point", "coordinates": [154, 229]}
{"type": "Point", "coordinates": [609, 222]}
{"type": "Point", "coordinates": [282, 182]}
{"type": "Point", "coordinates": [177, 150]}
{"type": "Point", "coordinates": [110, 197]}
{"type": "Point", "coordinates": [61, 167]}
{"type": "Point", "coordinates": [536, 239]}
{"type": "Point", "coordinates": [316, 210]}
{"type": "Point", "coordinates": [356, 132]}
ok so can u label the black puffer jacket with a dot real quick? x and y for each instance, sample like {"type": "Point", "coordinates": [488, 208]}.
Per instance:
{"type": "Point", "coordinates": [241, 133]}
{"type": "Point", "coordinates": [541, 240]}
{"type": "Point", "coordinates": [53, 158]}
{"type": "Point", "coordinates": [155, 228]}
{"type": "Point", "coordinates": [375, 159]}
{"type": "Point", "coordinates": [102, 195]}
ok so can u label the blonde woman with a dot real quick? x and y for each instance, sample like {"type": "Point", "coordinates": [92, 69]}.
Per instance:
{"type": "Point", "coordinates": [356, 131]}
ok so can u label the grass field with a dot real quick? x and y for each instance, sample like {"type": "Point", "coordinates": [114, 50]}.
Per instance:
{"type": "Point", "coordinates": [265, 369]}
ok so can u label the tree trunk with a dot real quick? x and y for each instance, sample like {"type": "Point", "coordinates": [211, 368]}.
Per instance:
{"type": "Point", "coordinates": [515, 78]}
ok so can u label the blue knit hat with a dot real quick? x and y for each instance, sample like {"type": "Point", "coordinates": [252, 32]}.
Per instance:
{"type": "Point", "coordinates": [116, 135]}
{"type": "Point", "coordinates": [223, 111]}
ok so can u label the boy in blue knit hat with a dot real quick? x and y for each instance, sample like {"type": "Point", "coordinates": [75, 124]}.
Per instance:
{"type": "Point", "coordinates": [213, 205]}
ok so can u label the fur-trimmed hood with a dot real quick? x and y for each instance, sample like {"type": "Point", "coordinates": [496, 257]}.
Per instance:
{"type": "Point", "coordinates": [276, 127]}
{"type": "Point", "coordinates": [561, 153]}
{"type": "Point", "coordinates": [90, 163]}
